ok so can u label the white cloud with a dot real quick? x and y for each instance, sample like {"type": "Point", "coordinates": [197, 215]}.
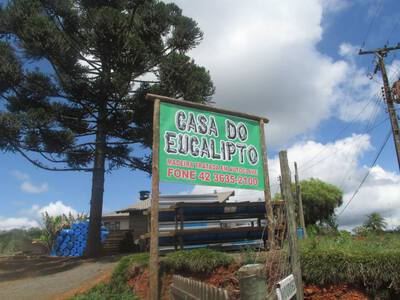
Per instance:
{"type": "Point", "coordinates": [30, 188]}
{"type": "Point", "coordinates": [27, 186]}
{"type": "Point", "coordinates": [338, 163]}
{"type": "Point", "coordinates": [12, 223]}
{"type": "Point", "coordinates": [356, 96]}
{"type": "Point", "coordinates": [380, 193]}
{"type": "Point", "coordinates": [265, 54]}
{"type": "Point", "coordinates": [53, 209]}
{"type": "Point", "coordinates": [332, 162]}
{"type": "Point", "coordinates": [32, 217]}
{"type": "Point", "coordinates": [20, 175]}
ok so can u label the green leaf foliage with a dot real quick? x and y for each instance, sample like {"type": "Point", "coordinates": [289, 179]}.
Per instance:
{"type": "Point", "coordinates": [53, 224]}
{"type": "Point", "coordinates": [319, 201]}
{"type": "Point", "coordinates": [371, 263]}
{"type": "Point", "coordinates": [196, 261]}
{"type": "Point", "coordinates": [16, 240]}
{"type": "Point", "coordinates": [73, 80]}
{"type": "Point", "coordinates": [90, 58]}
{"type": "Point", "coordinates": [117, 288]}
{"type": "Point", "coordinates": [375, 222]}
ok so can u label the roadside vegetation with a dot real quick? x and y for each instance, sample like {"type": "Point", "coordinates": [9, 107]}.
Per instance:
{"type": "Point", "coordinates": [368, 262]}
{"type": "Point", "coordinates": [368, 259]}
{"type": "Point", "coordinates": [20, 240]}
{"type": "Point", "coordinates": [117, 288]}
{"type": "Point", "coordinates": [17, 240]}
{"type": "Point", "coordinates": [196, 261]}
{"type": "Point", "coordinates": [199, 261]}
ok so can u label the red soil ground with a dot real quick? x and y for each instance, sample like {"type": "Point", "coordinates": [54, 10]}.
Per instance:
{"type": "Point", "coordinates": [226, 278]}
{"type": "Point", "coordinates": [342, 292]}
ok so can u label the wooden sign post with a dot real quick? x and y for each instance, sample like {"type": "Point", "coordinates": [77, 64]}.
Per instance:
{"type": "Point", "coordinates": [199, 144]}
{"type": "Point", "coordinates": [267, 191]}
{"type": "Point", "coordinates": [155, 194]}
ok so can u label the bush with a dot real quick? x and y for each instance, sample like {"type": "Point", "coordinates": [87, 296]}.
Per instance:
{"type": "Point", "coordinates": [16, 240]}
{"type": "Point", "coordinates": [371, 263]}
{"type": "Point", "coordinates": [53, 224]}
{"type": "Point", "coordinates": [117, 288]}
{"type": "Point", "coordinates": [122, 270]}
{"type": "Point", "coordinates": [107, 292]}
{"type": "Point", "coordinates": [196, 261]}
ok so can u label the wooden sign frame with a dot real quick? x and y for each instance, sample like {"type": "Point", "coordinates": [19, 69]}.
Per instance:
{"type": "Point", "coordinates": [155, 194]}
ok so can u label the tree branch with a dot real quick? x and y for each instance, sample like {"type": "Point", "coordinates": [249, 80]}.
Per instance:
{"type": "Point", "coordinates": [41, 166]}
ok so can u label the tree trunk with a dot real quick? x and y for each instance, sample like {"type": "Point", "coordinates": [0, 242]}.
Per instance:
{"type": "Point", "coordinates": [96, 202]}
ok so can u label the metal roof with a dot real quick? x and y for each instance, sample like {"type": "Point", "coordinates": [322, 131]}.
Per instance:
{"type": "Point", "coordinates": [145, 204]}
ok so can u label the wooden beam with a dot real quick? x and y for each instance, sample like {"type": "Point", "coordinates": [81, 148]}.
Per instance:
{"type": "Point", "coordinates": [153, 97]}
{"type": "Point", "coordinates": [291, 222]}
{"type": "Point", "coordinates": [267, 191]}
{"type": "Point", "coordinates": [153, 264]}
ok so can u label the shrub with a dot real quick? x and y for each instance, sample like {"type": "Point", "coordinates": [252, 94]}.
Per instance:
{"type": "Point", "coordinates": [53, 224]}
{"type": "Point", "coordinates": [248, 255]}
{"type": "Point", "coordinates": [117, 288]}
{"type": "Point", "coordinates": [122, 270]}
{"type": "Point", "coordinates": [106, 291]}
{"type": "Point", "coordinates": [371, 263]}
{"type": "Point", "coordinates": [15, 240]}
{"type": "Point", "coordinates": [196, 261]}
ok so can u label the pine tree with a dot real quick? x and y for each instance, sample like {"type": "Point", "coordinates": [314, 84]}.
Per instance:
{"type": "Point", "coordinates": [73, 76]}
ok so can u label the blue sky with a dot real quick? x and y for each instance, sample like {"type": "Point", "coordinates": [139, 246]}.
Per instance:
{"type": "Point", "coordinates": [294, 63]}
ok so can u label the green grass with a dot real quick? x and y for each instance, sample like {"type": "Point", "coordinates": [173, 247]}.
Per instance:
{"type": "Point", "coordinates": [117, 287]}
{"type": "Point", "coordinates": [16, 240]}
{"type": "Point", "coordinates": [196, 261]}
{"type": "Point", "coordinates": [371, 263]}
{"type": "Point", "coordinates": [106, 292]}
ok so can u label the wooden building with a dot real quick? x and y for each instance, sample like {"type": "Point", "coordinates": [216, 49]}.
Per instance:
{"type": "Point", "coordinates": [139, 222]}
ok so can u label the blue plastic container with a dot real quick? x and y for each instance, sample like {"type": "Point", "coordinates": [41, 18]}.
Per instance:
{"type": "Point", "coordinates": [300, 233]}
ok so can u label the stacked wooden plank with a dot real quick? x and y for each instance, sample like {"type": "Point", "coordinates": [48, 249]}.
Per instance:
{"type": "Point", "coordinates": [214, 224]}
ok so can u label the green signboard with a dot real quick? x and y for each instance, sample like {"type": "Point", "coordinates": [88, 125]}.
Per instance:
{"type": "Point", "coordinates": [209, 148]}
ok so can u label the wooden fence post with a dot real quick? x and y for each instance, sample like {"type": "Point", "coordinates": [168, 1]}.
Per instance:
{"type": "Point", "coordinates": [267, 190]}
{"type": "Point", "coordinates": [153, 263]}
{"type": "Point", "coordinates": [291, 221]}
{"type": "Point", "coordinates": [252, 281]}
{"type": "Point", "coordinates": [299, 200]}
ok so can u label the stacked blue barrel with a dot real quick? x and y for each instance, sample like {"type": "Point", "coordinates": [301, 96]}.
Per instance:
{"type": "Point", "coordinates": [72, 241]}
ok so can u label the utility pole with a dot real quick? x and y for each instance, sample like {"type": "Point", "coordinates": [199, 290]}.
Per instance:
{"type": "Point", "coordinates": [381, 53]}
{"type": "Point", "coordinates": [291, 223]}
{"type": "Point", "coordinates": [299, 200]}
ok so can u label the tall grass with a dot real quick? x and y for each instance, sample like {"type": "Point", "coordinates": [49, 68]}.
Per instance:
{"type": "Point", "coordinates": [16, 240]}
{"type": "Point", "coordinates": [371, 263]}
{"type": "Point", "coordinates": [117, 288]}
{"type": "Point", "coordinates": [196, 261]}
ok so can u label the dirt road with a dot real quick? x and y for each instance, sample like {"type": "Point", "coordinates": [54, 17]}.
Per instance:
{"type": "Point", "coordinates": [51, 278]}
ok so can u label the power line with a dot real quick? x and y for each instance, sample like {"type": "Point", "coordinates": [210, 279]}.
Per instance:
{"type": "Point", "coordinates": [350, 123]}
{"type": "Point", "coordinates": [376, 125]}
{"type": "Point", "coordinates": [367, 129]}
{"type": "Point", "coordinates": [377, 13]}
{"type": "Point", "coordinates": [396, 24]}
{"type": "Point", "coordinates": [371, 24]}
{"type": "Point", "coordinates": [332, 154]}
{"type": "Point", "coordinates": [396, 71]}
{"type": "Point", "coordinates": [369, 171]}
